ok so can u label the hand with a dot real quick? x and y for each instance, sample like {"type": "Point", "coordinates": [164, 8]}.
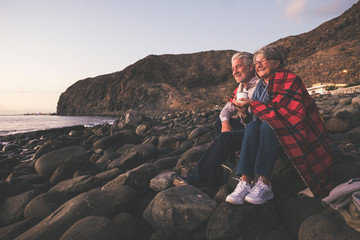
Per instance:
{"type": "Point", "coordinates": [244, 103]}
{"type": "Point", "coordinates": [225, 126]}
{"type": "Point", "coordinates": [242, 106]}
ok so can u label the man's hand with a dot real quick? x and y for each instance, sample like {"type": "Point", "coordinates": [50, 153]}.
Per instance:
{"type": "Point", "coordinates": [225, 126]}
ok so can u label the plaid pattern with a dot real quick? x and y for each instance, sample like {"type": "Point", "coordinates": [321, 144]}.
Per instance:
{"type": "Point", "coordinates": [293, 115]}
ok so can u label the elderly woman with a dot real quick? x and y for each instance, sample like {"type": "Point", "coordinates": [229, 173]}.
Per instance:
{"type": "Point", "coordinates": [285, 116]}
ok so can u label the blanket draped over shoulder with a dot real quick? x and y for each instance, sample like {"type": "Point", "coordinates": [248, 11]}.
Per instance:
{"type": "Point", "coordinates": [293, 115]}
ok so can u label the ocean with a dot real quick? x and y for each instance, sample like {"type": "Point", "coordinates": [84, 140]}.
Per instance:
{"type": "Point", "coordinates": [12, 124]}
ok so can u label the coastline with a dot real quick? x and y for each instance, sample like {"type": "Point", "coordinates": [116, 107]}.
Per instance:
{"type": "Point", "coordinates": [14, 124]}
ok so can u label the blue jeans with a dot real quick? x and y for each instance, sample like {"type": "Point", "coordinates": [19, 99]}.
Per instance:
{"type": "Point", "coordinates": [261, 149]}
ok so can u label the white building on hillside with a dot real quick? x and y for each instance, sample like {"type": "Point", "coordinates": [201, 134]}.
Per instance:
{"type": "Point", "coordinates": [322, 88]}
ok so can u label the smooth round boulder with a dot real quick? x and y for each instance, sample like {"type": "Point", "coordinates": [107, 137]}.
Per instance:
{"type": "Point", "coordinates": [91, 228]}
{"type": "Point", "coordinates": [191, 155]}
{"type": "Point", "coordinates": [337, 125]}
{"type": "Point", "coordinates": [10, 146]}
{"type": "Point", "coordinates": [44, 204]}
{"type": "Point", "coordinates": [91, 203]}
{"type": "Point", "coordinates": [12, 209]}
{"type": "Point", "coordinates": [198, 132]}
{"type": "Point", "coordinates": [48, 163]}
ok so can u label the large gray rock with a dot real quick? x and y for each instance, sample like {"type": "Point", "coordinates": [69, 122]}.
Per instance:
{"type": "Point", "coordinates": [162, 181]}
{"type": "Point", "coordinates": [128, 121]}
{"type": "Point", "coordinates": [327, 225]}
{"type": "Point", "coordinates": [138, 178]}
{"type": "Point", "coordinates": [191, 155]}
{"type": "Point", "coordinates": [91, 228]}
{"type": "Point", "coordinates": [12, 231]}
{"type": "Point", "coordinates": [199, 131]}
{"type": "Point", "coordinates": [337, 125]}
{"type": "Point", "coordinates": [76, 185]}
{"type": "Point", "coordinates": [165, 163]}
{"type": "Point", "coordinates": [106, 159]}
{"type": "Point", "coordinates": [46, 148]}
{"type": "Point", "coordinates": [179, 209]}
{"type": "Point", "coordinates": [32, 178]}
{"type": "Point", "coordinates": [43, 205]}
{"type": "Point", "coordinates": [92, 203]}
{"type": "Point", "coordinates": [146, 151]}
{"type": "Point", "coordinates": [347, 112]}
{"type": "Point", "coordinates": [12, 209]}
{"type": "Point", "coordinates": [108, 175]}
{"type": "Point", "coordinates": [48, 163]}
{"type": "Point", "coordinates": [166, 141]}
{"type": "Point", "coordinates": [128, 161]}
{"type": "Point", "coordinates": [119, 138]}
{"type": "Point", "coordinates": [242, 221]}
{"type": "Point", "coordinates": [67, 169]}
{"type": "Point", "coordinates": [10, 147]}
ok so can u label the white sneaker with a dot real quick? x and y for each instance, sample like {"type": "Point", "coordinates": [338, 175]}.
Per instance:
{"type": "Point", "coordinates": [237, 196]}
{"type": "Point", "coordinates": [260, 193]}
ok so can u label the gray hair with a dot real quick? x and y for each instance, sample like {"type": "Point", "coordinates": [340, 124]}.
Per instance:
{"type": "Point", "coordinates": [271, 52]}
{"type": "Point", "coordinates": [245, 56]}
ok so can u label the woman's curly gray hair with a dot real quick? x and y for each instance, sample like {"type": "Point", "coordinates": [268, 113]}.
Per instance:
{"type": "Point", "coordinates": [271, 52]}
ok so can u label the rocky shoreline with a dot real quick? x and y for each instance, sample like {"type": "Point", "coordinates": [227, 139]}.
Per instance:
{"type": "Point", "coordinates": [115, 182]}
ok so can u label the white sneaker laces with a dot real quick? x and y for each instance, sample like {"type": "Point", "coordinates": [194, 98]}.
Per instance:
{"type": "Point", "coordinates": [260, 185]}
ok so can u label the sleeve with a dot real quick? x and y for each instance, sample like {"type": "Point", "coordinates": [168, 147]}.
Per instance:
{"type": "Point", "coordinates": [227, 111]}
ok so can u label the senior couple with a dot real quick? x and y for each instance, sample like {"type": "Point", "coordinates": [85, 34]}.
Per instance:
{"type": "Point", "coordinates": [279, 115]}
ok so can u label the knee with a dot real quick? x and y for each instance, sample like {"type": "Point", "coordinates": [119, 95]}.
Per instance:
{"type": "Point", "coordinates": [265, 128]}
{"type": "Point", "coordinates": [252, 127]}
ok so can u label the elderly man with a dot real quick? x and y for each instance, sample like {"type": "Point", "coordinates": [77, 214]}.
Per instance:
{"type": "Point", "coordinates": [230, 130]}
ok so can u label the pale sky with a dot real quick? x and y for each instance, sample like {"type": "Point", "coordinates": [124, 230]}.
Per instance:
{"type": "Point", "coordinates": [48, 45]}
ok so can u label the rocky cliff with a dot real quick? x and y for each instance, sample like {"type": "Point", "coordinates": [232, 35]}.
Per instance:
{"type": "Point", "coordinates": [185, 81]}
{"type": "Point", "coordinates": [202, 80]}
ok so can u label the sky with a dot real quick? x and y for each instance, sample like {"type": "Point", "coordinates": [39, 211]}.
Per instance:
{"type": "Point", "coordinates": [48, 45]}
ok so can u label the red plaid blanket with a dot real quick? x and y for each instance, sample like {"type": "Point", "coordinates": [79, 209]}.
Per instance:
{"type": "Point", "coordinates": [293, 115]}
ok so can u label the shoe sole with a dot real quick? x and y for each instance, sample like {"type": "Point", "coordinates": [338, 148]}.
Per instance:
{"type": "Point", "coordinates": [258, 202]}
{"type": "Point", "coordinates": [228, 200]}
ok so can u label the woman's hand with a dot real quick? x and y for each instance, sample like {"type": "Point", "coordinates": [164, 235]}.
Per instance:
{"type": "Point", "coordinates": [242, 105]}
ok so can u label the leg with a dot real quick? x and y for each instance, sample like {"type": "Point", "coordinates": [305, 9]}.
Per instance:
{"type": "Point", "coordinates": [249, 149]}
{"type": "Point", "coordinates": [266, 156]}
{"type": "Point", "coordinates": [268, 152]}
{"type": "Point", "coordinates": [212, 158]}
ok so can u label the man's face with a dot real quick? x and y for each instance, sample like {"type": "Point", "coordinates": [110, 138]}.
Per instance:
{"type": "Point", "coordinates": [241, 71]}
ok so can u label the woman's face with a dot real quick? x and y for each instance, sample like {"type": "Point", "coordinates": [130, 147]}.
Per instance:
{"type": "Point", "coordinates": [265, 67]}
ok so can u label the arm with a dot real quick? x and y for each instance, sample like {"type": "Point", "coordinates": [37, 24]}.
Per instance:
{"type": "Point", "coordinates": [225, 115]}
{"type": "Point", "coordinates": [288, 100]}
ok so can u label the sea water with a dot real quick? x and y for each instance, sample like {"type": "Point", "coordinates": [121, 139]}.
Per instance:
{"type": "Point", "coordinates": [12, 124]}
